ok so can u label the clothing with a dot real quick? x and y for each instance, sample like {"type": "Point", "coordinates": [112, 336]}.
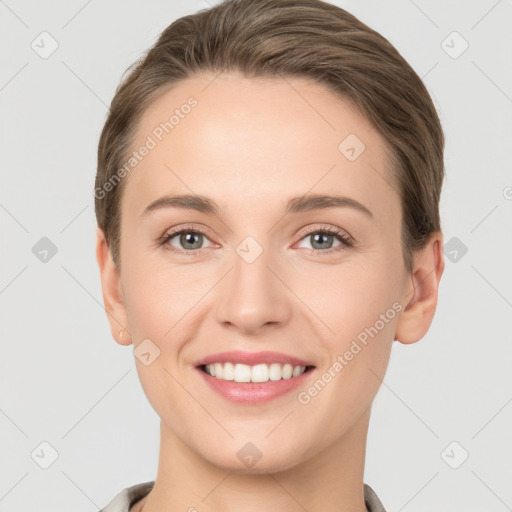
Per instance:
{"type": "Point", "coordinates": [129, 496]}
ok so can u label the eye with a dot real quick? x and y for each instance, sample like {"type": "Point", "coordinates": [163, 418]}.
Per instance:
{"type": "Point", "coordinates": [321, 240]}
{"type": "Point", "coordinates": [189, 239]}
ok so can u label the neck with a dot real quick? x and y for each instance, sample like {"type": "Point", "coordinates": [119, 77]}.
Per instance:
{"type": "Point", "coordinates": [330, 480]}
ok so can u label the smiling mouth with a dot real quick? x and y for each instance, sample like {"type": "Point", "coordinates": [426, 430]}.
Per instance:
{"type": "Point", "coordinates": [259, 373]}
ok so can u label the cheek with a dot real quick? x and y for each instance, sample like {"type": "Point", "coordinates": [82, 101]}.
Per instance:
{"type": "Point", "coordinates": [161, 306]}
{"type": "Point", "coordinates": [347, 297]}
{"type": "Point", "coordinates": [160, 296]}
{"type": "Point", "coordinates": [340, 299]}
{"type": "Point", "coordinates": [358, 304]}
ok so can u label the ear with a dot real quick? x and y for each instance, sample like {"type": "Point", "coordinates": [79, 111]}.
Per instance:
{"type": "Point", "coordinates": [421, 298]}
{"type": "Point", "coordinates": [112, 291]}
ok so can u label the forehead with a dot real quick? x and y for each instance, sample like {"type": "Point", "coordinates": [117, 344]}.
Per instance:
{"type": "Point", "coordinates": [253, 143]}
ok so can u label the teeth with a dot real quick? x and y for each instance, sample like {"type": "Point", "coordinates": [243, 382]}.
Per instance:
{"type": "Point", "coordinates": [258, 373]}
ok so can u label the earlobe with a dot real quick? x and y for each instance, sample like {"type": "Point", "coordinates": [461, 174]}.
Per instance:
{"type": "Point", "coordinates": [112, 291]}
{"type": "Point", "coordinates": [415, 319]}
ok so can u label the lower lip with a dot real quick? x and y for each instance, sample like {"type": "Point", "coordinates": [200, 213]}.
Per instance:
{"type": "Point", "coordinates": [253, 392]}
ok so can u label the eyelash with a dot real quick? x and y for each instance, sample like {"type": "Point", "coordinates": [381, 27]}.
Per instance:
{"type": "Point", "coordinates": [346, 241]}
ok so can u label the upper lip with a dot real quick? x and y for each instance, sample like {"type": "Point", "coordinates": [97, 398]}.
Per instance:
{"type": "Point", "coordinates": [252, 358]}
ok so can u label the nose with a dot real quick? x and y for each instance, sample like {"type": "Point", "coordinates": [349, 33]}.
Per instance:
{"type": "Point", "coordinates": [253, 296]}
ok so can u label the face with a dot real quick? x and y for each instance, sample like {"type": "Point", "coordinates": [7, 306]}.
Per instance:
{"type": "Point", "coordinates": [320, 281]}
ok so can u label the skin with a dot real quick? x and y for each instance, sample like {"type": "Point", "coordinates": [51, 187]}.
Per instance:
{"type": "Point", "coordinates": [250, 145]}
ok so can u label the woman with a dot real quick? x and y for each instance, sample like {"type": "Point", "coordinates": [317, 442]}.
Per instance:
{"type": "Point", "coordinates": [249, 136]}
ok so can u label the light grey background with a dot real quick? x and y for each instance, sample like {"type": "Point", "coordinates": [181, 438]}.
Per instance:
{"type": "Point", "coordinates": [66, 382]}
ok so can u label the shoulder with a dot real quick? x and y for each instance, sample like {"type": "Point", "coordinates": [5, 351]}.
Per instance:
{"type": "Point", "coordinates": [372, 501]}
{"type": "Point", "coordinates": [127, 497]}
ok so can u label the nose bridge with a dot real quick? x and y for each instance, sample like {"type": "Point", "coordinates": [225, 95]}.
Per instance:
{"type": "Point", "coordinates": [251, 261]}
{"type": "Point", "coordinates": [252, 296]}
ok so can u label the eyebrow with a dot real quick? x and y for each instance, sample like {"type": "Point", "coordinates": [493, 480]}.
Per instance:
{"type": "Point", "coordinates": [294, 205]}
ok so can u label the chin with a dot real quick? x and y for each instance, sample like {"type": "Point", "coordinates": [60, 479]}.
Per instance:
{"type": "Point", "coordinates": [248, 459]}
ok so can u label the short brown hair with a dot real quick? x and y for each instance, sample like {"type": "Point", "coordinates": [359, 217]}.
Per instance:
{"type": "Point", "coordinates": [306, 38]}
